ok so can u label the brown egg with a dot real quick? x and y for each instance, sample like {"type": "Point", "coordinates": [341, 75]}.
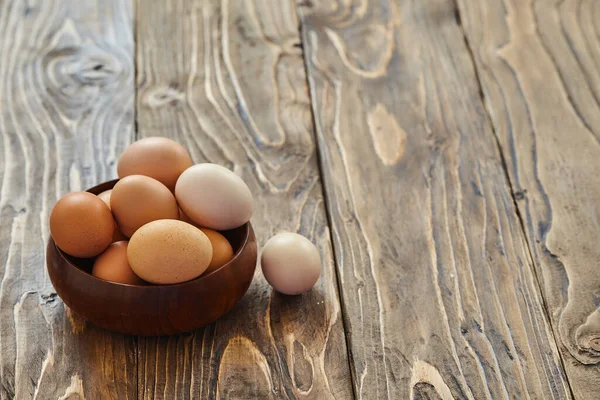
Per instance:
{"type": "Point", "coordinates": [291, 263]}
{"type": "Point", "coordinates": [118, 235]}
{"type": "Point", "coordinates": [81, 224]}
{"type": "Point", "coordinates": [169, 251]}
{"type": "Point", "coordinates": [185, 218]}
{"type": "Point", "coordinates": [157, 157]}
{"type": "Point", "coordinates": [222, 250]}
{"type": "Point", "coordinates": [105, 196]}
{"type": "Point", "coordinates": [137, 200]}
{"type": "Point", "coordinates": [112, 265]}
{"type": "Point", "coordinates": [214, 197]}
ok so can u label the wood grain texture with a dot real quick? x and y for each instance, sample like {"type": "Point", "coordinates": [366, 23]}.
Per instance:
{"type": "Point", "coordinates": [226, 79]}
{"type": "Point", "coordinates": [437, 281]}
{"type": "Point", "coordinates": [66, 112]}
{"type": "Point", "coordinates": [539, 64]}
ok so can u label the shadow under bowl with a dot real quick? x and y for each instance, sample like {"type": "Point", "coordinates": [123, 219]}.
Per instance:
{"type": "Point", "coordinates": [153, 310]}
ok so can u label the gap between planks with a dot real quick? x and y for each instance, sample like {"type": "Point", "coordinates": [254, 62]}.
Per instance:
{"type": "Point", "coordinates": [316, 138]}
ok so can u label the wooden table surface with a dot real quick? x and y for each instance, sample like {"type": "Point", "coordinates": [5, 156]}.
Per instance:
{"type": "Point", "coordinates": [444, 156]}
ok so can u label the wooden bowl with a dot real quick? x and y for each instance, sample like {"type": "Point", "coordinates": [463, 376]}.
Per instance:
{"type": "Point", "coordinates": [153, 310]}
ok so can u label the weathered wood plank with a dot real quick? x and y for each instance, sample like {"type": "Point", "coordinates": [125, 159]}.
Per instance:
{"type": "Point", "coordinates": [539, 64]}
{"type": "Point", "coordinates": [66, 112]}
{"type": "Point", "coordinates": [437, 281]}
{"type": "Point", "coordinates": [226, 79]}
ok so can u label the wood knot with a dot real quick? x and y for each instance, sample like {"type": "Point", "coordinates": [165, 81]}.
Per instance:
{"type": "Point", "coordinates": [89, 67]}
{"type": "Point", "coordinates": [367, 50]}
{"type": "Point", "coordinates": [306, 3]}
{"type": "Point", "coordinates": [98, 70]}
{"type": "Point", "coordinates": [243, 371]}
{"type": "Point", "coordinates": [78, 76]}
{"type": "Point", "coordinates": [48, 298]}
{"type": "Point", "coordinates": [426, 382]}
{"type": "Point", "coordinates": [587, 337]}
{"type": "Point", "coordinates": [161, 96]}
{"type": "Point", "coordinates": [389, 139]}
{"type": "Point", "coordinates": [80, 73]}
{"type": "Point", "coordinates": [590, 344]}
{"type": "Point", "coordinates": [425, 390]}
{"type": "Point", "coordinates": [302, 368]}
{"type": "Point", "coordinates": [520, 194]}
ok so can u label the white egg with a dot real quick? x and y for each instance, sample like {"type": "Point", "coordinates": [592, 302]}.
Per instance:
{"type": "Point", "coordinates": [291, 263]}
{"type": "Point", "coordinates": [214, 197]}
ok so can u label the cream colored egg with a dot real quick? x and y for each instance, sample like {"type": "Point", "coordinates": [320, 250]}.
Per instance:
{"type": "Point", "coordinates": [169, 251]}
{"type": "Point", "coordinates": [291, 263]}
{"type": "Point", "coordinates": [214, 197]}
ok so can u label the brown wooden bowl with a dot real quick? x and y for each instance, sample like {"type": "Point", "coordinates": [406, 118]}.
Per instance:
{"type": "Point", "coordinates": [153, 310]}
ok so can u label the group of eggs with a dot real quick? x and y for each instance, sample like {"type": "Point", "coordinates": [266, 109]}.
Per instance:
{"type": "Point", "coordinates": [162, 222]}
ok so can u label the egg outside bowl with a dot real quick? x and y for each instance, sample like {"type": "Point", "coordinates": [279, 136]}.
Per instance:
{"type": "Point", "coordinates": [153, 310]}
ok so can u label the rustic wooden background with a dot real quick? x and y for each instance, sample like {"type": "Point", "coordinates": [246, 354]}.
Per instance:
{"type": "Point", "coordinates": [443, 154]}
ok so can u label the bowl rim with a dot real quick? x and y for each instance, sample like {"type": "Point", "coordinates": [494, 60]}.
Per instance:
{"type": "Point", "coordinates": [247, 233]}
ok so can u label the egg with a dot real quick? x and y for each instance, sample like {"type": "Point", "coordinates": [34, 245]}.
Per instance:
{"type": "Point", "coordinates": [185, 218]}
{"type": "Point", "coordinates": [105, 197]}
{"type": "Point", "coordinates": [112, 265]}
{"type": "Point", "coordinates": [137, 200]}
{"type": "Point", "coordinates": [290, 263]}
{"type": "Point", "coordinates": [157, 157]}
{"type": "Point", "coordinates": [81, 224]}
{"type": "Point", "coordinates": [117, 234]}
{"type": "Point", "coordinates": [222, 250]}
{"type": "Point", "coordinates": [214, 197]}
{"type": "Point", "coordinates": [169, 251]}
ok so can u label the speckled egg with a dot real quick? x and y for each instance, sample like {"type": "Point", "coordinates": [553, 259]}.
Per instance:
{"type": "Point", "coordinates": [169, 251]}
